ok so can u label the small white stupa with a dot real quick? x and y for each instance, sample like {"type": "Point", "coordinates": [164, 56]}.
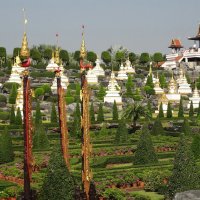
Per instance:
{"type": "Point", "coordinates": [19, 100]}
{"type": "Point", "coordinates": [16, 72]}
{"type": "Point", "coordinates": [164, 100]}
{"type": "Point", "coordinates": [172, 91]}
{"type": "Point", "coordinates": [128, 67]}
{"type": "Point", "coordinates": [184, 87]}
{"type": "Point", "coordinates": [122, 73]}
{"type": "Point", "coordinates": [181, 74]}
{"type": "Point", "coordinates": [113, 91]}
{"type": "Point", "coordinates": [91, 77]}
{"type": "Point", "coordinates": [98, 70]}
{"type": "Point", "coordinates": [195, 99]}
{"type": "Point", "coordinates": [157, 88]}
{"type": "Point", "coordinates": [52, 66]}
{"type": "Point", "coordinates": [113, 81]}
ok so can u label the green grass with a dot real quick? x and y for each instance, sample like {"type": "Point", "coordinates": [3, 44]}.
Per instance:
{"type": "Point", "coordinates": [152, 195]}
{"type": "Point", "coordinates": [5, 184]}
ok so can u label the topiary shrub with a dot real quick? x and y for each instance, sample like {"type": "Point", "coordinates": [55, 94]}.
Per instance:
{"type": "Point", "coordinates": [3, 99]}
{"type": "Point", "coordinates": [114, 194]}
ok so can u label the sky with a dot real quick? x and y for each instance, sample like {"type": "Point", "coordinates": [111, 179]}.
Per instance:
{"type": "Point", "coordinates": [138, 25]}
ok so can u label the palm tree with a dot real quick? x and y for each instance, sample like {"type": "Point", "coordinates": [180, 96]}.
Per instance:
{"type": "Point", "coordinates": [135, 111]}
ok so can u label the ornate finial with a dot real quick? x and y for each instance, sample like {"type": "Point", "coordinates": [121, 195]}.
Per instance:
{"type": "Point", "coordinates": [150, 69]}
{"type": "Point", "coordinates": [57, 56]}
{"type": "Point", "coordinates": [25, 50]}
{"type": "Point", "coordinates": [83, 52]}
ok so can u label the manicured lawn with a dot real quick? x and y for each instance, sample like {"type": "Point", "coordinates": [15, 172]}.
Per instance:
{"type": "Point", "coordinates": [152, 195]}
{"type": "Point", "coordinates": [5, 184]}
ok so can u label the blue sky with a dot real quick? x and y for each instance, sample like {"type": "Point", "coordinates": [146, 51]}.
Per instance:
{"type": "Point", "coordinates": [138, 25]}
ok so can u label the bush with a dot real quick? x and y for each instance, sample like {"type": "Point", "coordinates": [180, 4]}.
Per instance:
{"type": "Point", "coordinates": [69, 100]}
{"type": "Point", "coordinates": [141, 197]}
{"type": "Point", "coordinates": [4, 115]}
{"type": "Point", "coordinates": [39, 92]}
{"type": "Point", "coordinates": [46, 88]}
{"type": "Point", "coordinates": [114, 194]}
{"type": "Point", "coordinates": [3, 98]}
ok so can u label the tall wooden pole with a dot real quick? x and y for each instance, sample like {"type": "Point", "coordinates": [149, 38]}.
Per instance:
{"type": "Point", "coordinates": [64, 138]}
{"type": "Point", "coordinates": [27, 136]}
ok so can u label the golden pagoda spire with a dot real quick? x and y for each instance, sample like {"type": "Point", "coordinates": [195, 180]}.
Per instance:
{"type": "Point", "coordinates": [150, 69]}
{"type": "Point", "coordinates": [25, 52]}
{"type": "Point", "coordinates": [83, 52]}
{"type": "Point", "coordinates": [52, 57]}
{"type": "Point", "coordinates": [57, 56]}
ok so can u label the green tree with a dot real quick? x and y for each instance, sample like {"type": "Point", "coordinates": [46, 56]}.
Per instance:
{"type": "Point", "coordinates": [13, 94]}
{"type": "Point", "coordinates": [144, 153]}
{"type": "Point", "coordinates": [195, 146]}
{"type": "Point", "coordinates": [101, 93]}
{"type": "Point", "coordinates": [185, 174]}
{"type": "Point", "coordinates": [39, 92]}
{"type": "Point", "coordinates": [106, 57]}
{"type": "Point", "coordinates": [92, 114]}
{"type": "Point", "coordinates": [121, 134]}
{"type": "Point", "coordinates": [169, 110]}
{"type": "Point", "coordinates": [38, 114]}
{"type": "Point", "coordinates": [46, 88]}
{"type": "Point", "coordinates": [76, 130]}
{"type": "Point", "coordinates": [150, 81]}
{"type": "Point", "coordinates": [12, 115]}
{"type": "Point", "coordinates": [120, 56]}
{"type": "Point", "coordinates": [58, 182]}
{"type": "Point", "coordinates": [40, 139]}
{"type": "Point", "coordinates": [180, 110]}
{"type": "Point", "coordinates": [163, 82]}
{"type": "Point", "coordinates": [47, 54]}
{"type": "Point", "coordinates": [77, 56]}
{"type": "Point", "coordinates": [134, 111]}
{"type": "Point", "coordinates": [144, 58]}
{"type": "Point", "coordinates": [16, 51]}
{"type": "Point", "coordinates": [3, 56]}
{"type": "Point", "coordinates": [186, 127]}
{"type": "Point", "coordinates": [161, 113]}
{"type": "Point", "coordinates": [137, 95]}
{"type": "Point", "coordinates": [149, 107]}
{"type": "Point", "coordinates": [157, 128]}
{"type": "Point", "coordinates": [69, 97]}
{"type": "Point", "coordinates": [91, 56]}
{"type": "Point", "coordinates": [191, 111]}
{"type": "Point", "coordinates": [129, 86]}
{"type": "Point", "coordinates": [6, 147]}
{"type": "Point", "coordinates": [54, 118]}
{"type": "Point", "coordinates": [115, 112]}
{"type": "Point", "coordinates": [100, 116]}
{"type": "Point", "coordinates": [18, 118]}
{"type": "Point", "coordinates": [157, 57]}
{"type": "Point", "coordinates": [77, 93]}
{"type": "Point", "coordinates": [36, 55]}
{"type": "Point", "coordinates": [198, 112]}
{"type": "Point", "coordinates": [132, 57]}
{"type": "Point", "coordinates": [64, 56]}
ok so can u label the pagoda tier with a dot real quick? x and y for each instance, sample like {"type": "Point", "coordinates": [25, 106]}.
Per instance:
{"type": "Point", "coordinates": [113, 81]}
{"type": "Point", "coordinates": [172, 91]}
{"type": "Point", "coordinates": [184, 87]}
{"type": "Point", "coordinates": [195, 99]}
{"type": "Point", "coordinates": [91, 77]}
{"type": "Point", "coordinates": [157, 88]}
{"type": "Point", "coordinates": [98, 70]}
{"type": "Point", "coordinates": [64, 83]}
{"type": "Point", "coordinates": [164, 100]}
{"type": "Point", "coordinates": [52, 66]}
{"type": "Point", "coordinates": [122, 73]}
{"type": "Point", "coordinates": [128, 67]}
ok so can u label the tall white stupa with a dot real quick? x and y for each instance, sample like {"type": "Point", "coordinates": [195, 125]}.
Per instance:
{"type": "Point", "coordinates": [195, 99]}
{"type": "Point", "coordinates": [128, 67]}
{"type": "Point", "coordinates": [98, 70]}
{"type": "Point", "coordinates": [52, 66]}
{"type": "Point", "coordinates": [113, 91]}
{"type": "Point", "coordinates": [157, 88]}
{"type": "Point", "coordinates": [91, 77]}
{"type": "Point", "coordinates": [172, 94]}
{"type": "Point", "coordinates": [122, 73]}
{"type": "Point", "coordinates": [184, 86]}
{"type": "Point", "coordinates": [15, 76]}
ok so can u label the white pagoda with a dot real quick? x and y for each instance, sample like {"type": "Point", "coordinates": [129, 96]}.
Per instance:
{"type": "Point", "coordinates": [16, 72]}
{"type": "Point", "coordinates": [195, 99]}
{"type": "Point", "coordinates": [128, 67]}
{"type": "Point", "coordinates": [91, 77]}
{"type": "Point", "coordinates": [184, 87]}
{"type": "Point", "coordinates": [157, 88]}
{"type": "Point", "coordinates": [164, 100]}
{"type": "Point", "coordinates": [150, 74]}
{"type": "Point", "coordinates": [98, 70]}
{"type": "Point", "coordinates": [172, 91]}
{"type": "Point", "coordinates": [52, 66]}
{"type": "Point", "coordinates": [122, 73]}
{"type": "Point", "coordinates": [19, 100]}
{"type": "Point", "coordinates": [113, 91]}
